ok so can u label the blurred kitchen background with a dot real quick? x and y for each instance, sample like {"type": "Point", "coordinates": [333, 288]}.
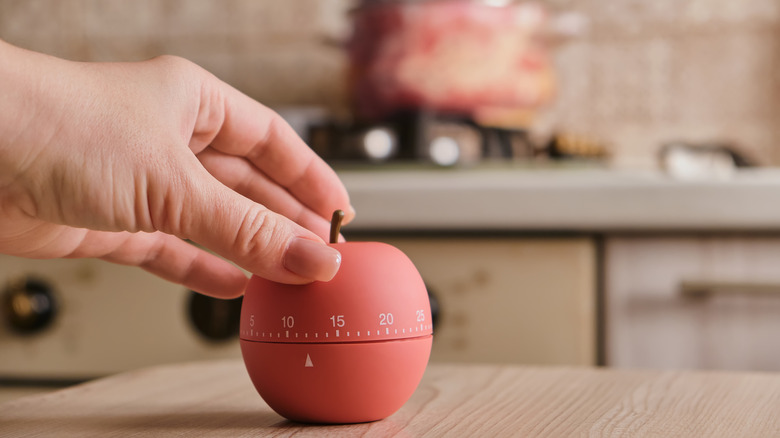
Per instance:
{"type": "Point", "coordinates": [634, 75]}
{"type": "Point", "coordinates": [607, 194]}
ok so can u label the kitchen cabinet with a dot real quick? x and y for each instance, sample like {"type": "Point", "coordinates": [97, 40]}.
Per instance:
{"type": "Point", "coordinates": [107, 318]}
{"type": "Point", "coordinates": [509, 299]}
{"type": "Point", "coordinates": [643, 318]}
{"type": "Point", "coordinates": [708, 302]}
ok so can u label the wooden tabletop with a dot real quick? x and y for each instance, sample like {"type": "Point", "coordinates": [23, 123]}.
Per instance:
{"type": "Point", "coordinates": [216, 399]}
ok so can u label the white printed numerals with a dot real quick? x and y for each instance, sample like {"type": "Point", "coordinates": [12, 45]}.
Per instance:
{"type": "Point", "coordinates": [288, 322]}
{"type": "Point", "coordinates": [420, 316]}
{"type": "Point", "coordinates": [337, 320]}
{"type": "Point", "coordinates": [385, 319]}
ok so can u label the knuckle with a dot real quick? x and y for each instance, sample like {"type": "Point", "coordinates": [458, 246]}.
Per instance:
{"type": "Point", "coordinates": [173, 62]}
{"type": "Point", "coordinates": [177, 71]}
{"type": "Point", "coordinates": [260, 234]}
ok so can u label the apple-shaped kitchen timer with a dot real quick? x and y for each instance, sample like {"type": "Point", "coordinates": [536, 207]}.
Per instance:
{"type": "Point", "coordinates": [349, 350]}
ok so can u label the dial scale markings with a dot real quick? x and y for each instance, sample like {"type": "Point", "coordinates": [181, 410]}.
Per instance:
{"type": "Point", "coordinates": [294, 328]}
{"type": "Point", "coordinates": [336, 333]}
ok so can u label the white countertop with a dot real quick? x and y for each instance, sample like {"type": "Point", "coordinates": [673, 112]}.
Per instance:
{"type": "Point", "coordinates": [503, 199]}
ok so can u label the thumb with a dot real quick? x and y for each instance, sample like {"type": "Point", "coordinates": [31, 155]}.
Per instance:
{"type": "Point", "coordinates": [257, 239]}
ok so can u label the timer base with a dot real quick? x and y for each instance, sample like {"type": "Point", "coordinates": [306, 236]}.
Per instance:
{"type": "Point", "coordinates": [353, 382]}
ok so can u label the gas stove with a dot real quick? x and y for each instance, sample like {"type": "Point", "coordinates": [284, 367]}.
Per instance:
{"type": "Point", "coordinates": [440, 140]}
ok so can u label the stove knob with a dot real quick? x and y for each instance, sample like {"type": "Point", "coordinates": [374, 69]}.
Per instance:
{"type": "Point", "coordinates": [28, 305]}
{"type": "Point", "coordinates": [213, 318]}
{"type": "Point", "coordinates": [435, 307]}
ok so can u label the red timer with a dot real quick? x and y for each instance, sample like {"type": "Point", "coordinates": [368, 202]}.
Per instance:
{"type": "Point", "coordinates": [349, 350]}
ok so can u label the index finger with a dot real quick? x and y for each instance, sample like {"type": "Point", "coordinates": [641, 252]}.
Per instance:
{"type": "Point", "coordinates": [252, 130]}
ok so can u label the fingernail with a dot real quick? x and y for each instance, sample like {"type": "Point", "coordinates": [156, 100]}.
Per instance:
{"type": "Point", "coordinates": [311, 259]}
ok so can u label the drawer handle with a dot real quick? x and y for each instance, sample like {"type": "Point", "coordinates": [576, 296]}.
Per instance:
{"type": "Point", "coordinates": [704, 288]}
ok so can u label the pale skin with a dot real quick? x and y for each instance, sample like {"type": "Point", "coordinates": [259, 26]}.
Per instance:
{"type": "Point", "coordinates": [122, 161]}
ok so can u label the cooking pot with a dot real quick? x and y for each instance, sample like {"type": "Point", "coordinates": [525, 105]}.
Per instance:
{"type": "Point", "coordinates": [461, 57]}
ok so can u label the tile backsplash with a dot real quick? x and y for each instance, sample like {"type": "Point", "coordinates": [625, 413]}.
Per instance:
{"type": "Point", "coordinates": [645, 72]}
{"type": "Point", "coordinates": [649, 72]}
{"type": "Point", "coordinates": [280, 52]}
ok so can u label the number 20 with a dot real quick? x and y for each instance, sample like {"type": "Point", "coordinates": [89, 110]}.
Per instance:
{"type": "Point", "coordinates": [385, 319]}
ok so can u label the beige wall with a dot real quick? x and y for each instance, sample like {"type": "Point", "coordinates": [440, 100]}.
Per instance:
{"type": "Point", "coordinates": [647, 72]}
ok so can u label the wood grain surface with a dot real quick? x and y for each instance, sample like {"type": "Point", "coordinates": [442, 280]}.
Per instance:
{"type": "Point", "coordinates": [216, 399]}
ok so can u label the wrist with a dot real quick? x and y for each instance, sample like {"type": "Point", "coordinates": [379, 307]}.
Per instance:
{"type": "Point", "coordinates": [16, 111]}
{"type": "Point", "coordinates": [26, 90]}
{"type": "Point", "coordinates": [15, 79]}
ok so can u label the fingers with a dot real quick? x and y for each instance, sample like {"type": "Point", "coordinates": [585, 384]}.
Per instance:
{"type": "Point", "coordinates": [242, 176]}
{"type": "Point", "coordinates": [249, 129]}
{"type": "Point", "coordinates": [168, 257]}
{"type": "Point", "coordinates": [257, 239]}
{"type": "Point", "coordinates": [180, 262]}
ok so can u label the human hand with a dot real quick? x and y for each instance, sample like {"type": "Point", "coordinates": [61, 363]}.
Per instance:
{"type": "Point", "coordinates": [122, 161]}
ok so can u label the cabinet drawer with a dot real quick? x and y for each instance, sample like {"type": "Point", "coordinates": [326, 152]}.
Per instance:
{"type": "Point", "coordinates": [693, 302]}
{"type": "Point", "coordinates": [510, 300]}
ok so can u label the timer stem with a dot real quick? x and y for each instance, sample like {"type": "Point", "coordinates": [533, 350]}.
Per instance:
{"type": "Point", "coordinates": [335, 225]}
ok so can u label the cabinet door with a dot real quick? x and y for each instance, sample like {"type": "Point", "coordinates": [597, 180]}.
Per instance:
{"type": "Point", "coordinates": [693, 302]}
{"type": "Point", "coordinates": [517, 300]}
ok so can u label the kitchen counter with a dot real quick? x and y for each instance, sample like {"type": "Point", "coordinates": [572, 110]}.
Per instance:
{"type": "Point", "coordinates": [568, 199]}
{"type": "Point", "coordinates": [217, 399]}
